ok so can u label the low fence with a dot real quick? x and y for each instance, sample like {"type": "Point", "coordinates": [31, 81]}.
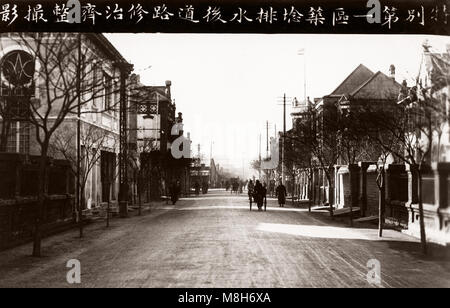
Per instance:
{"type": "Point", "coordinates": [18, 201]}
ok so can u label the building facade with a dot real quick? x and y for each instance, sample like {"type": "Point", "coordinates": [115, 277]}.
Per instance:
{"type": "Point", "coordinates": [355, 179]}
{"type": "Point", "coordinates": [103, 75]}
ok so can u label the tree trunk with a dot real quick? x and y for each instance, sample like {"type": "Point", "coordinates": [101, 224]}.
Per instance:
{"type": "Point", "coordinates": [42, 192]}
{"type": "Point", "coordinates": [331, 203]}
{"type": "Point", "coordinates": [139, 182]}
{"type": "Point", "coordinates": [381, 202]}
{"type": "Point", "coordinates": [293, 189]}
{"type": "Point", "coordinates": [423, 238]}
{"type": "Point", "coordinates": [80, 210]}
{"type": "Point", "coordinates": [330, 192]}
{"type": "Point", "coordinates": [310, 190]}
{"type": "Point", "coordinates": [351, 176]}
{"type": "Point", "coordinates": [108, 207]}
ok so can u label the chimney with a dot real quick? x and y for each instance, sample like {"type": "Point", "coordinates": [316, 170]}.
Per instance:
{"type": "Point", "coordinates": [392, 71]}
{"type": "Point", "coordinates": [135, 78]}
{"type": "Point", "coordinates": [168, 84]}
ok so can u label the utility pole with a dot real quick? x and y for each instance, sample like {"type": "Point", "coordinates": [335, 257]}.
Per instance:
{"type": "Point", "coordinates": [259, 169]}
{"type": "Point", "coordinates": [284, 139]}
{"type": "Point", "coordinates": [211, 151]}
{"type": "Point", "coordinates": [243, 167]}
{"type": "Point", "coordinates": [123, 137]}
{"type": "Point", "coordinates": [302, 52]}
{"type": "Point", "coordinates": [267, 139]}
{"type": "Point", "coordinates": [79, 207]}
{"type": "Point", "coordinates": [199, 163]}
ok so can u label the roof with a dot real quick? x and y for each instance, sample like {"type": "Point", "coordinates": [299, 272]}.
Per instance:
{"type": "Point", "coordinates": [353, 81]}
{"type": "Point", "coordinates": [161, 91]}
{"type": "Point", "coordinates": [378, 87]}
{"type": "Point", "coordinates": [106, 46]}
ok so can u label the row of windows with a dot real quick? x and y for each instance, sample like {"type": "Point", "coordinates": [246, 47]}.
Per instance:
{"type": "Point", "coordinates": [103, 88]}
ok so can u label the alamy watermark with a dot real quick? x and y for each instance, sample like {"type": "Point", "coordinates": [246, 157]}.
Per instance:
{"type": "Point", "coordinates": [73, 276]}
{"type": "Point", "coordinates": [374, 274]}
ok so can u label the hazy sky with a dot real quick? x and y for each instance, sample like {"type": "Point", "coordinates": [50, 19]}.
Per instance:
{"type": "Point", "coordinates": [228, 86]}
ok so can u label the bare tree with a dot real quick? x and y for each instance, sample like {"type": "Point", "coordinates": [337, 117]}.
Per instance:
{"type": "Point", "coordinates": [317, 132]}
{"type": "Point", "coordinates": [93, 141]}
{"type": "Point", "coordinates": [409, 136]}
{"type": "Point", "coordinates": [375, 143]}
{"type": "Point", "coordinates": [297, 156]}
{"type": "Point", "coordinates": [67, 84]}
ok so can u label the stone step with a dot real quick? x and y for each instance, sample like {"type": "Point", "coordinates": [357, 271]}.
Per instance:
{"type": "Point", "coordinates": [367, 219]}
{"type": "Point", "coordinates": [345, 211]}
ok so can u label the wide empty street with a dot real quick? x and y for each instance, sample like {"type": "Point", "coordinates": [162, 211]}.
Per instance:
{"type": "Point", "coordinates": [214, 240]}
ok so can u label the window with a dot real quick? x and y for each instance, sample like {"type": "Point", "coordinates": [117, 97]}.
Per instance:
{"type": "Point", "coordinates": [95, 86]}
{"type": "Point", "coordinates": [19, 138]}
{"type": "Point", "coordinates": [108, 92]}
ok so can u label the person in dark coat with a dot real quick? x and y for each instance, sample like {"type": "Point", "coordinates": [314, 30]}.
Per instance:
{"type": "Point", "coordinates": [258, 194]}
{"type": "Point", "coordinates": [281, 194]}
{"type": "Point", "coordinates": [197, 188]}
{"type": "Point", "coordinates": [250, 188]}
{"type": "Point", "coordinates": [264, 195]}
{"type": "Point", "coordinates": [175, 191]}
{"type": "Point", "coordinates": [204, 188]}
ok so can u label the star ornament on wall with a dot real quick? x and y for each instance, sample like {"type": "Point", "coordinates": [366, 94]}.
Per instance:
{"type": "Point", "coordinates": [18, 67]}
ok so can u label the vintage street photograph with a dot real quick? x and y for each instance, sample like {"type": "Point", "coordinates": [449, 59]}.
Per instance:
{"type": "Point", "coordinates": [224, 152]}
{"type": "Point", "coordinates": [224, 160]}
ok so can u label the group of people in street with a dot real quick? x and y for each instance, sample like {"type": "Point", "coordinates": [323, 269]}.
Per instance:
{"type": "Point", "coordinates": [204, 187]}
{"type": "Point", "coordinates": [257, 192]}
{"type": "Point", "coordinates": [175, 190]}
{"type": "Point", "coordinates": [235, 186]}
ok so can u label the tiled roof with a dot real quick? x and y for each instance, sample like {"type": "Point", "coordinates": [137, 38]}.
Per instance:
{"type": "Point", "coordinates": [353, 81]}
{"type": "Point", "coordinates": [379, 87]}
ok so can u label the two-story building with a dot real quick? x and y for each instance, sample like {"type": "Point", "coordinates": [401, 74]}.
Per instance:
{"type": "Point", "coordinates": [155, 120]}
{"type": "Point", "coordinates": [104, 74]}
{"type": "Point", "coordinates": [60, 93]}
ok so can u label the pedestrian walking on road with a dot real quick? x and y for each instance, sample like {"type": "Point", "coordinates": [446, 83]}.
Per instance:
{"type": "Point", "coordinates": [197, 188]}
{"type": "Point", "coordinates": [281, 194]}
{"type": "Point", "coordinates": [258, 194]}
{"type": "Point", "coordinates": [175, 191]}
{"type": "Point", "coordinates": [205, 187]}
{"type": "Point", "coordinates": [264, 195]}
{"type": "Point", "coordinates": [250, 188]}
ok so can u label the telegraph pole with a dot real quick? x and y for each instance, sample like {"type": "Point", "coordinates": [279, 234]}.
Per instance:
{"type": "Point", "coordinates": [78, 200]}
{"type": "Point", "coordinates": [199, 162]}
{"type": "Point", "coordinates": [259, 169]}
{"type": "Point", "coordinates": [123, 138]}
{"type": "Point", "coordinates": [267, 139]}
{"type": "Point", "coordinates": [284, 138]}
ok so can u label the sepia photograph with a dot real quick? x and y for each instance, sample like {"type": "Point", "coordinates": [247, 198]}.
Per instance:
{"type": "Point", "coordinates": [224, 148]}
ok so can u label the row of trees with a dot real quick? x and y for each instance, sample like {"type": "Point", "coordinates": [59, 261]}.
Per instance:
{"type": "Point", "coordinates": [404, 130]}
{"type": "Point", "coordinates": [64, 81]}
